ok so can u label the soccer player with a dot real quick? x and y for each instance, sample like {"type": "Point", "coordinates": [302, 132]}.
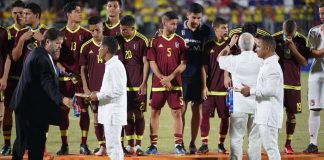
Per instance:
{"type": "Point", "coordinates": [167, 61]}
{"type": "Point", "coordinates": [195, 33]}
{"type": "Point", "coordinates": [75, 36]}
{"type": "Point", "coordinates": [213, 90]}
{"type": "Point", "coordinates": [315, 81]}
{"type": "Point", "coordinates": [132, 52]}
{"type": "Point", "coordinates": [9, 80]}
{"type": "Point", "coordinates": [292, 48]}
{"type": "Point", "coordinates": [4, 39]}
{"type": "Point", "coordinates": [112, 25]}
{"type": "Point", "coordinates": [92, 71]}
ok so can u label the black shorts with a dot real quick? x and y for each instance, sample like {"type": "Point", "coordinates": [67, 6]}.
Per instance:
{"type": "Point", "coordinates": [191, 88]}
{"type": "Point", "coordinates": [292, 101]}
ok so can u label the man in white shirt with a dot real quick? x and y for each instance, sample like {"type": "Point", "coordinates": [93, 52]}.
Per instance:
{"type": "Point", "coordinates": [316, 81]}
{"type": "Point", "coordinates": [244, 69]}
{"type": "Point", "coordinates": [269, 96]}
{"type": "Point", "coordinates": [112, 112]}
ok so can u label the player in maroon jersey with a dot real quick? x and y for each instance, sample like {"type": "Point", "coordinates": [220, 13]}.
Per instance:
{"type": "Point", "coordinates": [293, 50]}
{"type": "Point", "coordinates": [167, 57]}
{"type": "Point", "coordinates": [132, 52]}
{"type": "Point", "coordinates": [68, 64]}
{"type": "Point", "coordinates": [214, 91]}
{"type": "Point", "coordinates": [8, 80]}
{"type": "Point", "coordinates": [4, 39]}
{"type": "Point", "coordinates": [92, 71]}
{"type": "Point", "coordinates": [112, 25]}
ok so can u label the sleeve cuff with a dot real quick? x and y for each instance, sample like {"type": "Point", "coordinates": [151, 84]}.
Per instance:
{"type": "Point", "coordinates": [252, 91]}
{"type": "Point", "coordinates": [99, 96]}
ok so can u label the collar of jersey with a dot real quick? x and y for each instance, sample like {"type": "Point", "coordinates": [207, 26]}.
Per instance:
{"type": "Point", "coordinates": [220, 43]}
{"type": "Point", "coordinates": [111, 27]}
{"type": "Point", "coordinates": [168, 39]}
{"type": "Point", "coordinates": [70, 30]}
{"type": "Point", "coordinates": [127, 40]}
{"type": "Point", "coordinates": [95, 43]}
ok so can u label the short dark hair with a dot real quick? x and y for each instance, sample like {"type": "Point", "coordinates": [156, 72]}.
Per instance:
{"type": "Point", "coordinates": [290, 26]}
{"type": "Point", "coordinates": [321, 4]}
{"type": "Point", "coordinates": [111, 43]}
{"type": "Point", "coordinates": [250, 27]}
{"type": "Point", "coordinates": [218, 21]}
{"type": "Point", "coordinates": [119, 2]}
{"type": "Point", "coordinates": [51, 34]}
{"type": "Point", "coordinates": [94, 20]}
{"type": "Point", "coordinates": [170, 15]}
{"type": "Point", "coordinates": [127, 21]}
{"type": "Point", "coordinates": [69, 7]}
{"type": "Point", "coordinates": [196, 8]}
{"type": "Point", "coordinates": [18, 3]}
{"type": "Point", "coordinates": [35, 8]}
{"type": "Point", "coordinates": [268, 41]}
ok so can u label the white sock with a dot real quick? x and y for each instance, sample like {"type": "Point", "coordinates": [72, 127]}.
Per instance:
{"type": "Point", "coordinates": [314, 123]}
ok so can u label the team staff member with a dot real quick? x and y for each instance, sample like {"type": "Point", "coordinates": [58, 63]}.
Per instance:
{"type": "Point", "coordinates": [269, 95]}
{"type": "Point", "coordinates": [195, 33]}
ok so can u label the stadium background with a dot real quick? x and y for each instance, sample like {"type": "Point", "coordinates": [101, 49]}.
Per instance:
{"type": "Point", "coordinates": [268, 14]}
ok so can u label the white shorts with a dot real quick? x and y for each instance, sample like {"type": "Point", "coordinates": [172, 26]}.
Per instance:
{"type": "Point", "coordinates": [316, 90]}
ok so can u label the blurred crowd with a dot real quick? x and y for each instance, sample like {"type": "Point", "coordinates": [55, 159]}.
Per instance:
{"type": "Point", "coordinates": [268, 14]}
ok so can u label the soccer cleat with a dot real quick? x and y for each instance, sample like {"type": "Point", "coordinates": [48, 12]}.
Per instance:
{"type": "Point", "coordinates": [288, 149]}
{"type": "Point", "coordinates": [179, 150]}
{"type": "Point", "coordinates": [221, 148]}
{"type": "Point", "coordinates": [64, 150]}
{"type": "Point", "coordinates": [96, 149]}
{"type": "Point", "coordinates": [130, 150]}
{"type": "Point", "coordinates": [139, 151]}
{"type": "Point", "coordinates": [311, 149]}
{"type": "Point", "coordinates": [101, 151]}
{"type": "Point", "coordinates": [192, 149]}
{"type": "Point", "coordinates": [84, 149]}
{"type": "Point", "coordinates": [126, 152]}
{"type": "Point", "coordinates": [203, 149]}
{"type": "Point", "coordinates": [151, 150]}
{"type": "Point", "coordinates": [6, 150]}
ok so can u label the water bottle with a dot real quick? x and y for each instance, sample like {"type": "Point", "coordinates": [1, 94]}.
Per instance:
{"type": "Point", "coordinates": [229, 100]}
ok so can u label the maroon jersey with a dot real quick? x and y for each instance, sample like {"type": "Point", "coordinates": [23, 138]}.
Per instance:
{"type": "Point", "coordinates": [288, 63]}
{"type": "Point", "coordinates": [13, 30]}
{"type": "Point", "coordinates": [167, 53]}
{"type": "Point", "coordinates": [131, 52]}
{"type": "Point", "coordinates": [111, 30]}
{"type": "Point", "coordinates": [70, 51]}
{"type": "Point", "coordinates": [4, 39]}
{"type": "Point", "coordinates": [96, 66]}
{"type": "Point", "coordinates": [28, 46]}
{"type": "Point", "coordinates": [215, 76]}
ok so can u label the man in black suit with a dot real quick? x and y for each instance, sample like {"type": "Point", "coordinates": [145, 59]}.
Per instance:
{"type": "Point", "coordinates": [37, 99]}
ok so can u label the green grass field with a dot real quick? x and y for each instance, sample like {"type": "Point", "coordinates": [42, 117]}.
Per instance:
{"type": "Point", "coordinates": [165, 144]}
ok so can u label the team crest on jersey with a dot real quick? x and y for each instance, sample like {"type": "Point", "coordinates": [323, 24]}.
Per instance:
{"type": "Point", "coordinates": [90, 52]}
{"type": "Point", "coordinates": [212, 51]}
{"type": "Point", "coordinates": [176, 44]}
{"type": "Point", "coordinates": [183, 32]}
{"type": "Point", "coordinates": [160, 45]}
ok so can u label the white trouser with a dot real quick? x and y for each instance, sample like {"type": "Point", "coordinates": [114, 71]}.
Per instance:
{"type": "Point", "coordinates": [113, 144]}
{"type": "Point", "coordinates": [316, 90]}
{"type": "Point", "coordinates": [239, 123]}
{"type": "Point", "coordinates": [269, 139]}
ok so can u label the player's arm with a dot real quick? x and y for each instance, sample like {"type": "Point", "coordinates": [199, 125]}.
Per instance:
{"type": "Point", "coordinates": [156, 70]}
{"type": "Point", "coordinates": [4, 78]}
{"type": "Point", "coordinates": [177, 71]}
{"type": "Point", "coordinates": [317, 53]}
{"type": "Point", "coordinates": [61, 68]}
{"type": "Point", "coordinates": [146, 68]}
{"type": "Point", "coordinates": [84, 78]}
{"type": "Point", "coordinates": [204, 83]}
{"type": "Point", "coordinates": [295, 52]}
{"type": "Point", "coordinates": [19, 44]}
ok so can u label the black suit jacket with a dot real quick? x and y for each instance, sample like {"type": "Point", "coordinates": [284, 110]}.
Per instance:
{"type": "Point", "coordinates": [37, 95]}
